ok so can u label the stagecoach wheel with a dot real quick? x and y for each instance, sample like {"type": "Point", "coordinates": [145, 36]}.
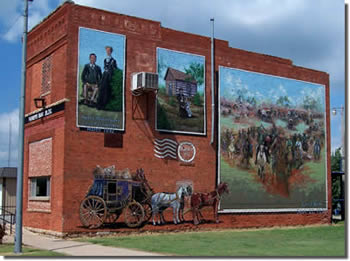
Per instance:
{"type": "Point", "coordinates": [93, 212]}
{"type": "Point", "coordinates": [148, 211]}
{"type": "Point", "coordinates": [134, 214]}
{"type": "Point", "coordinates": [112, 217]}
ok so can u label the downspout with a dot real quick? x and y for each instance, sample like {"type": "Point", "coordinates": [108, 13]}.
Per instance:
{"type": "Point", "coordinates": [212, 83]}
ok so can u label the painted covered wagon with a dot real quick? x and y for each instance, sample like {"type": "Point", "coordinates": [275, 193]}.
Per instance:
{"type": "Point", "coordinates": [111, 194]}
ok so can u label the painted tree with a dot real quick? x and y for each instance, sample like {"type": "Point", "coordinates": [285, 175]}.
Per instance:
{"type": "Point", "coordinates": [116, 101]}
{"type": "Point", "coordinates": [252, 101]}
{"type": "Point", "coordinates": [310, 103]}
{"type": "Point", "coordinates": [283, 101]}
{"type": "Point", "coordinates": [161, 65]}
{"type": "Point", "coordinates": [195, 72]}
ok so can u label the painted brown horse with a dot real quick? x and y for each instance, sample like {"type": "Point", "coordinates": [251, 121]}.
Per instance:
{"type": "Point", "coordinates": [200, 200]}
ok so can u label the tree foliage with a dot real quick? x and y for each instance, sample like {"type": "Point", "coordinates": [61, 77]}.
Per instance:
{"type": "Point", "coordinates": [283, 101]}
{"type": "Point", "coordinates": [197, 99]}
{"type": "Point", "coordinates": [116, 101]}
{"type": "Point", "coordinates": [252, 101]}
{"type": "Point", "coordinates": [310, 103]}
{"type": "Point", "coordinates": [195, 72]}
{"type": "Point", "coordinates": [336, 160]}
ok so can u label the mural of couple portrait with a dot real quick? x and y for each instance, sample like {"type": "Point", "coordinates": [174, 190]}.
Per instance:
{"type": "Point", "coordinates": [101, 80]}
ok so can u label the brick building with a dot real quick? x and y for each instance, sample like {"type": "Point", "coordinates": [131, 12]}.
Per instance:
{"type": "Point", "coordinates": [59, 157]}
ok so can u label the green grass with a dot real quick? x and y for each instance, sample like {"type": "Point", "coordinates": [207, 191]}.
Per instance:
{"type": "Point", "coordinates": [308, 241]}
{"type": "Point", "coordinates": [99, 118]}
{"type": "Point", "coordinates": [228, 122]}
{"type": "Point", "coordinates": [7, 250]}
{"type": "Point", "coordinates": [170, 120]}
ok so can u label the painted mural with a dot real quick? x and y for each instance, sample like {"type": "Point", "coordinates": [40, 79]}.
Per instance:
{"type": "Point", "coordinates": [181, 95]}
{"type": "Point", "coordinates": [100, 90]}
{"type": "Point", "coordinates": [272, 139]}
{"type": "Point", "coordinates": [119, 192]}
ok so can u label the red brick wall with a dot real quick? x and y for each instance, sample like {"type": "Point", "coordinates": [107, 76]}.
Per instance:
{"type": "Point", "coordinates": [40, 164]}
{"type": "Point", "coordinates": [82, 151]}
{"type": "Point", "coordinates": [46, 39]}
{"type": "Point", "coordinates": [44, 214]}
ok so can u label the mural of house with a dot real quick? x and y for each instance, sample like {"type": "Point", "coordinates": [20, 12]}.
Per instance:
{"type": "Point", "coordinates": [178, 82]}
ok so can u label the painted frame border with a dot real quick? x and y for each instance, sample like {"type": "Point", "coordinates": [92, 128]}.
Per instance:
{"type": "Point", "coordinates": [276, 210]}
{"type": "Point", "coordinates": [205, 99]}
{"type": "Point", "coordinates": [77, 98]}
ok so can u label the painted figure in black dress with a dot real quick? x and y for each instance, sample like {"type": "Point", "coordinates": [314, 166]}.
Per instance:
{"type": "Point", "coordinates": [105, 90]}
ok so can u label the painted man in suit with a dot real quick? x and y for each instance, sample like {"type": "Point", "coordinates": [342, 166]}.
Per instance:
{"type": "Point", "coordinates": [91, 77]}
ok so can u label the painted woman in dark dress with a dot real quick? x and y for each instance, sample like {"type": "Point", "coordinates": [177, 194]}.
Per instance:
{"type": "Point", "coordinates": [105, 90]}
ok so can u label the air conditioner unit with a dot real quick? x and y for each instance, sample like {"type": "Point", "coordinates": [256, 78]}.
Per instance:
{"type": "Point", "coordinates": [144, 81]}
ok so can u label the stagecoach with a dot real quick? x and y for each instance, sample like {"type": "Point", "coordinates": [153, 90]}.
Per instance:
{"type": "Point", "coordinates": [109, 196]}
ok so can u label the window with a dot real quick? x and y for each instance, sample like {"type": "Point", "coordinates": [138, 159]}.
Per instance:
{"type": "Point", "coordinates": [46, 72]}
{"type": "Point", "coordinates": [40, 187]}
{"type": "Point", "coordinates": [112, 188]}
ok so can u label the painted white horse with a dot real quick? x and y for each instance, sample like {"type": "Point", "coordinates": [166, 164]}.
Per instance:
{"type": "Point", "coordinates": [161, 201]}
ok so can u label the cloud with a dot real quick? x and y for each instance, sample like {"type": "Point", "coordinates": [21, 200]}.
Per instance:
{"type": "Point", "coordinates": [5, 119]}
{"type": "Point", "coordinates": [309, 32]}
{"type": "Point", "coordinates": [13, 21]}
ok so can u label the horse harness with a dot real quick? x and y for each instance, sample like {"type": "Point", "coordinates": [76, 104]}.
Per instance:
{"type": "Point", "coordinates": [169, 201]}
{"type": "Point", "coordinates": [217, 196]}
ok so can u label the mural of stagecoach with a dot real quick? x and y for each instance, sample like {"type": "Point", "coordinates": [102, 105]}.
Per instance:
{"type": "Point", "coordinates": [113, 193]}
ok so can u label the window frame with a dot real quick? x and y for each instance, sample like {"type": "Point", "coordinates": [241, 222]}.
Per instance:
{"type": "Point", "coordinates": [33, 186]}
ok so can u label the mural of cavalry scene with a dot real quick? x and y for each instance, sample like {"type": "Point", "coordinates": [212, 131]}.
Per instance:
{"type": "Point", "coordinates": [100, 88]}
{"type": "Point", "coordinates": [272, 142]}
{"type": "Point", "coordinates": [181, 95]}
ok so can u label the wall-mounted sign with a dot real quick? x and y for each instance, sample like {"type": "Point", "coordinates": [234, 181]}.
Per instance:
{"type": "Point", "coordinates": [186, 152]}
{"type": "Point", "coordinates": [166, 148]}
{"type": "Point", "coordinates": [44, 113]}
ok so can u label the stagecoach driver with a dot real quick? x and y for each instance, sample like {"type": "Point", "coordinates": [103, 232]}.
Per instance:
{"type": "Point", "coordinates": [91, 77]}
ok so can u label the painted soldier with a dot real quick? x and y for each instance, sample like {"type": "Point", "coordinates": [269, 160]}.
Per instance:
{"type": "Point", "coordinates": [91, 77]}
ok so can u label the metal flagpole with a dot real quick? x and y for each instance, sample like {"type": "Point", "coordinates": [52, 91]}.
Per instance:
{"type": "Point", "coordinates": [10, 132]}
{"type": "Point", "coordinates": [212, 83]}
{"type": "Point", "coordinates": [19, 192]}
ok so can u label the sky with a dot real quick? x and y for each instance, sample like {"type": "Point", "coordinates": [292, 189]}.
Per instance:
{"type": "Point", "coordinates": [309, 32]}
{"type": "Point", "coordinates": [268, 89]}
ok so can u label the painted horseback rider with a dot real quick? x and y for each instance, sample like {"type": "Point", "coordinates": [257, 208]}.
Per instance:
{"type": "Point", "coordinates": [262, 148]}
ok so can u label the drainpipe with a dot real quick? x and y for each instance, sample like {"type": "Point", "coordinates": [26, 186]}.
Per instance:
{"type": "Point", "coordinates": [212, 83]}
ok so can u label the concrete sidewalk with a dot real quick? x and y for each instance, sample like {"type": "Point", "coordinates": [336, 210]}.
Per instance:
{"type": "Point", "coordinates": [73, 248]}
